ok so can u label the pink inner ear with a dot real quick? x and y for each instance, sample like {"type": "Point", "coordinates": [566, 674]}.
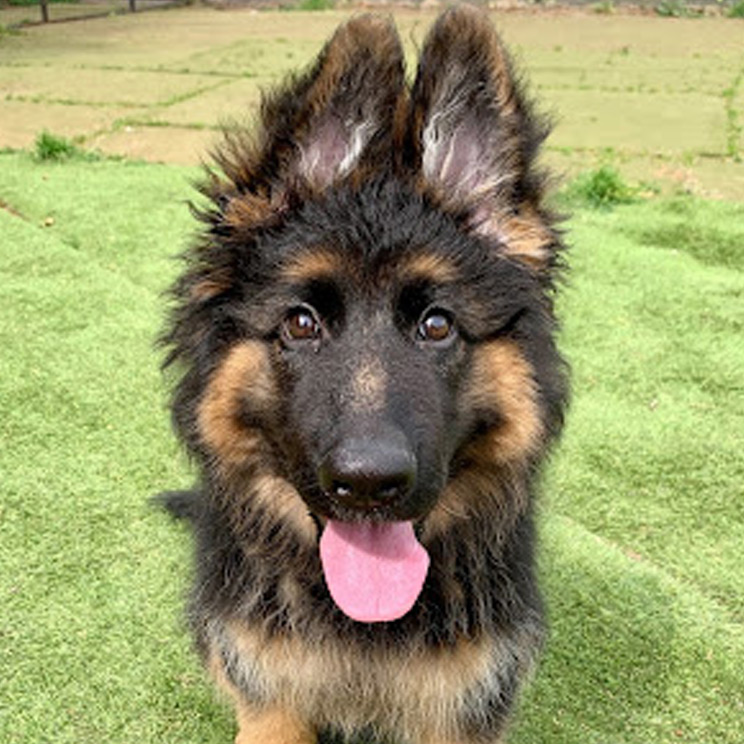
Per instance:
{"type": "Point", "coordinates": [333, 148]}
{"type": "Point", "coordinates": [458, 158]}
{"type": "Point", "coordinates": [324, 152]}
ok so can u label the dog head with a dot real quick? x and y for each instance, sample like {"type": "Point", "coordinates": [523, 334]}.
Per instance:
{"type": "Point", "coordinates": [366, 326]}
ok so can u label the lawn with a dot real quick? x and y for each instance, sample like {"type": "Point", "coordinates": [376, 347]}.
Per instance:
{"type": "Point", "coordinates": [642, 515]}
{"type": "Point", "coordinates": [642, 519]}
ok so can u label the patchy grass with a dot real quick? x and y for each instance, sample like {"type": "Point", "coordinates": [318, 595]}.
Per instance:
{"type": "Point", "coordinates": [646, 87]}
{"type": "Point", "coordinates": [642, 519]}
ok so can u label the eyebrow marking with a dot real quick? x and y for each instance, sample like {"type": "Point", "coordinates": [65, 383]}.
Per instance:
{"type": "Point", "coordinates": [429, 266]}
{"type": "Point", "coordinates": [312, 264]}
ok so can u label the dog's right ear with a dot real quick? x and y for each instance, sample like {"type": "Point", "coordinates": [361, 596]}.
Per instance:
{"type": "Point", "coordinates": [323, 124]}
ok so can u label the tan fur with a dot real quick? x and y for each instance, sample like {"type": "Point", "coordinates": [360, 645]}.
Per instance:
{"type": "Point", "coordinates": [313, 264]}
{"type": "Point", "coordinates": [251, 210]}
{"type": "Point", "coordinates": [368, 385]}
{"type": "Point", "coordinates": [525, 236]}
{"type": "Point", "coordinates": [244, 372]}
{"type": "Point", "coordinates": [260, 725]}
{"type": "Point", "coordinates": [272, 726]}
{"type": "Point", "coordinates": [501, 378]}
{"type": "Point", "coordinates": [281, 499]}
{"type": "Point", "coordinates": [422, 692]}
{"type": "Point", "coordinates": [209, 287]}
{"type": "Point", "coordinates": [436, 269]}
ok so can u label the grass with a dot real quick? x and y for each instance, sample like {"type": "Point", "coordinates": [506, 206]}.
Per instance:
{"type": "Point", "coordinates": [642, 519]}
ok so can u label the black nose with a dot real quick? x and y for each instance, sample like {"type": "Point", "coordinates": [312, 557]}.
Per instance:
{"type": "Point", "coordinates": [369, 471]}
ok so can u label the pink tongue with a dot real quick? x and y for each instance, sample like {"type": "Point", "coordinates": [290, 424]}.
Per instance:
{"type": "Point", "coordinates": [374, 572]}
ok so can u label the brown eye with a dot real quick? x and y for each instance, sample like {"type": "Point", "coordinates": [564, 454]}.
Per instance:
{"type": "Point", "coordinates": [435, 327]}
{"type": "Point", "coordinates": [301, 325]}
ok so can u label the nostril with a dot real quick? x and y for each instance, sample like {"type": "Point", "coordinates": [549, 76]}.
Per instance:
{"type": "Point", "coordinates": [390, 489]}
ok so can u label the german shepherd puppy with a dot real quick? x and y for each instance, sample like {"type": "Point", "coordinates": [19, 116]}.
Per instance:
{"type": "Point", "coordinates": [369, 383]}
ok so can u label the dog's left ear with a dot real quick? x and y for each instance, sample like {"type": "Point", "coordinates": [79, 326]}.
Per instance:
{"type": "Point", "coordinates": [473, 138]}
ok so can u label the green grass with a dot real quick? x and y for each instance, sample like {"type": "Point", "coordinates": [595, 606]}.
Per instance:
{"type": "Point", "coordinates": [642, 519]}
{"type": "Point", "coordinates": [311, 5]}
{"type": "Point", "coordinates": [601, 189]}
{"type": "Point", "coordinates": [50, 146]}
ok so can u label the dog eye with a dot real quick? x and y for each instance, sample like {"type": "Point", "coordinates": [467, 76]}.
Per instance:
{"type": "Point", "coordinates": [301, 325]}
{"type": "Point", "coordinates": [435, 327]}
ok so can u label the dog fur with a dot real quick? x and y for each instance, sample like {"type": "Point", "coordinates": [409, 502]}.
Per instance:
{"type": "Point", "coordinates": [376, 257]}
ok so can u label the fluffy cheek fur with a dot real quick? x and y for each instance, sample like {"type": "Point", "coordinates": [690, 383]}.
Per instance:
{"type": "Point", "coordinates": [502, 385]}
{"type": "Point", "coordinates": [239, 398]}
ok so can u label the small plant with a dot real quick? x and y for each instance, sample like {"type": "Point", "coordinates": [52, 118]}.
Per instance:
{"type": "Point", "coordinates": [673, 9]}
{"type": "Point", "coordinates": [736, 10]}
{"type": "Point", "coordinates": [602, 189]}
{"type": "Point", "coordinates": [50, 146]}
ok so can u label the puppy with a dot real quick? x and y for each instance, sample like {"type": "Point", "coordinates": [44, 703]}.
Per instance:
{"type": "Point", "coordinates": [369, 383]}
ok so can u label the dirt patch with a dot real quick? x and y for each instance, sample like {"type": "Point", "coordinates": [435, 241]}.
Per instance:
{"type": "Point", "coordinates": [639, 89]}
{"type": "Point", "coordinates": [158, 144]}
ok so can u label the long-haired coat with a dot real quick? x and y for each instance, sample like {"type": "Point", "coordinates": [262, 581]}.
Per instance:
{"type": "Point", "coordinates": [369, 383]}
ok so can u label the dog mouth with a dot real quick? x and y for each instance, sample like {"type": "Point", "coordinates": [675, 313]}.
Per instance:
{"type": "Point", "coordinates": [373, 563]}
{"type": "Point", "coordinates": [374, 570]}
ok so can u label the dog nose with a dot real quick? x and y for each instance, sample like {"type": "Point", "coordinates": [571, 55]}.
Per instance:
{"type": "Point", "coordinates": [369, 471]}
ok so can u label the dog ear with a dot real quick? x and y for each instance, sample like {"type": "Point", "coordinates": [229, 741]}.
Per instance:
{"type": "Point", "coordinates": [323, 124]}
{"type": "Point", "coordinates": [473, 138]}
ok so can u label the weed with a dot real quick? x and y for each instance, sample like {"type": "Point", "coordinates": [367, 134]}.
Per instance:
{"type": "Point", "coordinates": [736, 10]}
{"type": "Point", "coordinates": [50, 146]}
{"type": "Point", "coordinates": [605, 7]}
{"type": "Point", "coordinates": [603, 188]}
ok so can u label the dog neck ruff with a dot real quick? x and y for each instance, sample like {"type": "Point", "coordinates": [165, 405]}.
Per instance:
{"type": "Point", "coordinates": [374, 572]}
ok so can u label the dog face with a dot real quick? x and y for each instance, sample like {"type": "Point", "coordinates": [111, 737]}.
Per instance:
{"type": "Point", "coordinates": [366, 326]}
{"type": "Point", "coordinates": [375, 321]}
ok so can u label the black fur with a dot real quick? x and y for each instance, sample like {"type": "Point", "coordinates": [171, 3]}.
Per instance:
{"type": "Point", "coordinates": [444, 180]}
